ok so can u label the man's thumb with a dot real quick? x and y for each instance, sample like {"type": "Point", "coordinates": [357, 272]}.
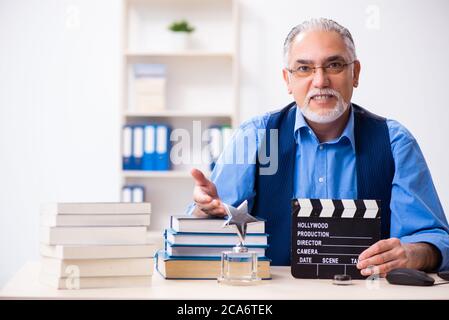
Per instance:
{"type": "Point", "coordinates": [199, 178]}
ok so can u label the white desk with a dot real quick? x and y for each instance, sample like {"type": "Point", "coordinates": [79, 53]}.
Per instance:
{"type": "Point", "coordinates": [25, 284]}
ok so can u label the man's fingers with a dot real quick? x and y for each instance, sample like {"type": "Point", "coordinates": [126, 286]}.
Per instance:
{"type": "Point", "coordinates": [218, 212]}
{"type": "Point", "coordinates": [205, 195]}
{"type": "Point", "coordinates": [200, 179]}
{"type": "Point", "coordinates": [214, 208]}
{"type": "Point", "coordinates": [214, 204]}
{"type": "Point", "coordinates": [382, 257]}
{"type": "Point", "coordinates": [201, 197]}
{"type": "Point", "coordinates": [378, 259]}
{"type": "Point", "coordinates": [379, 247]}
{"type": "Point", "coordinates": [383, 269]}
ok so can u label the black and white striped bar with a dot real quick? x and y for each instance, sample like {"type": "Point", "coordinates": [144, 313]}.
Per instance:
{"type": "Point", "coordinates": [329, 208]}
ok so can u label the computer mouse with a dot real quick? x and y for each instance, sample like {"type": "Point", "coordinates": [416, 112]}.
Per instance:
{"type": "Point", "coordinates": [444, 274]}
{"type": "Point", "coordinates": [409, 277]}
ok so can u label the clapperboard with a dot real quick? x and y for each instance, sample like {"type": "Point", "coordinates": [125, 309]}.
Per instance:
{"type": "Point", "coordinates": [329, 235]}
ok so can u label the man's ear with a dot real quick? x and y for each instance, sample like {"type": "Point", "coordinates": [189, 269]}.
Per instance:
{"type": "Point", "coordinates": [357, 68]}
{"type": "Point", "coordinates": [286, 76]}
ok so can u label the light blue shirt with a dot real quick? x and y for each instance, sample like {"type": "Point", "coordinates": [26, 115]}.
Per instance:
{"type": "Point", "coordinates": [328, 171]}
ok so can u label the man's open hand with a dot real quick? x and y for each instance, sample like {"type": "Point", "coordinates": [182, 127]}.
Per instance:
{"type": "Point", "coordinates": [205, 195]}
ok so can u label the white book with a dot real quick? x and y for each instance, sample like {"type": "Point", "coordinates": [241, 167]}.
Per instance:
{"type": "Point", "coordinates": [97, 267]}
{"type": "Point", "coordinates": [93, 235]}
{"type": "Point", "coordinates": [174, 237]}
{"type": "Point", "coordinates": [98, 252]}
{"type": "Point", "coordinates": [186, 223]}
{"type": "Point", "coordinates": [83, 220]}
{"type": "Point", "coordinates": [149, 70]}
{"type": "Point", "coordinates": [94, 282]}
{"type": "Point", "coordinates": [203, 251]}
{"type": "Point", "coordinates": [150, 86]}
{"type": "Point", "coordinates": [96, 208]}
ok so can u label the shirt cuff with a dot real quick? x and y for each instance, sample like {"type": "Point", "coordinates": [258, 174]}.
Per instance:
{"type": "Point", "coordinates": [190, 209]}
{"type": "Point", "coordinates": [441, 242]}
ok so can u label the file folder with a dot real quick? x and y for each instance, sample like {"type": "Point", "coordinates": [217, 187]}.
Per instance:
{"type": "Point", "coordinates": [149, 148]}
{"type": "Point", "coordinates": [137, 147]}
{"type": "Point", "coordinates": [138, 194]}
{"type": "Point", "coordinates": [126, 194]}
{"type": "Point", "coordinates": [162, 161]}
{"type": "Point", "coordinates": [127, 158]}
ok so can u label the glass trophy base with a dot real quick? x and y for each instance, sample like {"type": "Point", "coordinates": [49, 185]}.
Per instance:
{"type": "Point", "coordinates": [239, 267]}
{"type": "Point", "coordinates": [239, 282]}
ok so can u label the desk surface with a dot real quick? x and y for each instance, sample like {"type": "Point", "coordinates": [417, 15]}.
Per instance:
{"type": "Point", "coordinates": [25, 284]}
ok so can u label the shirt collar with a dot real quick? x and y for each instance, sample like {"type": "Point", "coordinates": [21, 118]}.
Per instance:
{"type": "Point", "coordinates": [348, 132]}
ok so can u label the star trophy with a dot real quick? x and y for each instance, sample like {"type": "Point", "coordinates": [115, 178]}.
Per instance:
{"type": "Point", "coordinates": [239, 266]}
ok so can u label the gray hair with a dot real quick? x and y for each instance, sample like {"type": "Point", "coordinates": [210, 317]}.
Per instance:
{"type": "Point", "coordinates": [323, 25]}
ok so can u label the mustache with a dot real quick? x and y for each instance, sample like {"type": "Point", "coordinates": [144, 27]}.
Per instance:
{"type": "Point", "coordinates": [316, 92]}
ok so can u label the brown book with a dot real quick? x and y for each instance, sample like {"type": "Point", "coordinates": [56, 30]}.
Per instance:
{"type": "Point", "coordinates": [199, 267]}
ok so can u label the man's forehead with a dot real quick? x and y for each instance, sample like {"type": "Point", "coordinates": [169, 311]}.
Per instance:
{"type": "Point", "coordinates": [331, 58]}
{"type": "Point", "coordinates": [318, 46]}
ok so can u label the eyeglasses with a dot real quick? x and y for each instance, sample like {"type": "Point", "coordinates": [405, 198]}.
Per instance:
{"type": "Point", "coordinates": [331, 68]}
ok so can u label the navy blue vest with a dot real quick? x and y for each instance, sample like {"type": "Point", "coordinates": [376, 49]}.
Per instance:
{"type": "Point", "coordinates": [374, 165]}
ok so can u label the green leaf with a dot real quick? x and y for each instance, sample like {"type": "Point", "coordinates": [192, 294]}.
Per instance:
{"type": "Point", "coordinates": [181, 26]}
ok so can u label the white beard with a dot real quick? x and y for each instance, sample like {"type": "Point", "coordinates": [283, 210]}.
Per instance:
{"type": "Point", "coordinates": [324, 117]}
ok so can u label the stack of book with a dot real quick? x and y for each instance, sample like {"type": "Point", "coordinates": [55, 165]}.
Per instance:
{"type": "Point", "coordinates": [149, 85]}
{"type": "Point", "coordinates": [96, 245]}
{"type": "Point", "coordinates": [193, 247]}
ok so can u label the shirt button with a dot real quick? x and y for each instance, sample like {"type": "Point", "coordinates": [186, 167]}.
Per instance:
{"type": "Point", "coordinates": [310, 132]}
{"type": "Point", "coordinates": [321, 179]}
{"type": "Point", "coordinates": [321, 147]}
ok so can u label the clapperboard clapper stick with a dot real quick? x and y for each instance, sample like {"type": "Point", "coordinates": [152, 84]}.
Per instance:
{"type": "Point", "coordinates": [329, 235]}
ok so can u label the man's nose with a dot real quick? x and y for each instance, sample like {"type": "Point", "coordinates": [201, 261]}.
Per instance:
{"type": "Point", "coordinates": [320, 78]}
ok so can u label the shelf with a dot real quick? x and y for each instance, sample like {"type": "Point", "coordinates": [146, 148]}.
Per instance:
{"type": "Point", "coordinates": [202, 88]}
{"type": "Point", "coordinates": [183, 54]}
{"type": "Point", "coordinates": [177, 113]}
{"type": "Point", "coordinates": [174, 174]}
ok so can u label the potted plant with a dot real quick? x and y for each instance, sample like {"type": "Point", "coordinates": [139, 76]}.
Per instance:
{"type": "Point", "coordinates": [181, 31]}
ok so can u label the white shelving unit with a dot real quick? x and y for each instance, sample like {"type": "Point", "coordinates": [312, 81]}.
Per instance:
{"type": "Point", "coordinates": [202, 85]}
{"type": "Point", "coordinates": [175, 174]}
{"type": "Point", "coordinates": [185, 53]}
{"type": "Point", "coordinates": [177, 113]}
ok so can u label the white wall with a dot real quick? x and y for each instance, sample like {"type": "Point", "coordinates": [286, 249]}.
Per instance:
{"type": "Point", "coordinates": [404, 60]}
{"type": "Point", "coordinates": [60, 80]}
{"type": "Point", "coordinates": [59, 120]}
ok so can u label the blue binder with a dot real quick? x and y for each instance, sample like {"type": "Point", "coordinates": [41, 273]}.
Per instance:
{"type": "Point", "coordinates": [149, 153]}
{"type": "Point", "coordinates": [127, 154]}
{"type": "Point", "coordinates": [162, 160]}
{"type": "Point", "coordinates": [137, 146]}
